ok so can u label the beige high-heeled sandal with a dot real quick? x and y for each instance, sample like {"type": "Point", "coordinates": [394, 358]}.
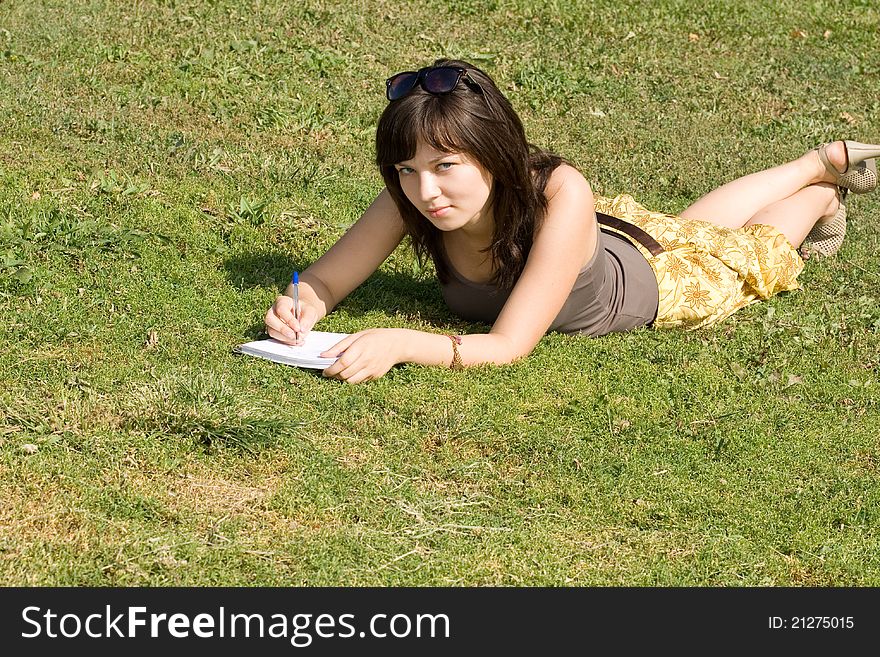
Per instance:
{"type": "Point", "coordinates": [826, 237]}
{"type": "Point", "coordinates": [860, 175]}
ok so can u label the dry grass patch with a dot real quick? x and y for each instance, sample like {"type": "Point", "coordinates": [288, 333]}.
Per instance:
{"type": "Point", "coordinates": [213, 496]}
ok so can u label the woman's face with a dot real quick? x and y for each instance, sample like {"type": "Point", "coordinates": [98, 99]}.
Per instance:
{"type": "Point", "coordinates": [452, 190]}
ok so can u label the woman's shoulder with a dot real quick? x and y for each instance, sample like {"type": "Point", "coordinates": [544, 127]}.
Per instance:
{"type": "Point", "coordinates": [566, 179]}
{"type": "Point", "coordinates": [567, 182]}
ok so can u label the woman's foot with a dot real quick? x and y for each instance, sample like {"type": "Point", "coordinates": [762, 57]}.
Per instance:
{"type": "Point", "coordinates": [826, 236]}
{"type": "Point", "coordinates": [834, 204]}
{"type": "Point", "coordinates": [835, 155]}
{"type": "Point", "coordinates": [850, 165]}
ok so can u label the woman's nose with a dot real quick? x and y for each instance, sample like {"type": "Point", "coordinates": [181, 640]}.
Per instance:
{"type": "Point", "coordinates": [428, 188]}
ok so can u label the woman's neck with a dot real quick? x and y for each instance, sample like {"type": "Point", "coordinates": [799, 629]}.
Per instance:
{"type": "Point", "coordinates": [478, 234]}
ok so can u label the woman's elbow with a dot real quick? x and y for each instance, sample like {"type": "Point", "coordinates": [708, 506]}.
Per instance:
{"type": "Point", "coordinates": [511, 350]}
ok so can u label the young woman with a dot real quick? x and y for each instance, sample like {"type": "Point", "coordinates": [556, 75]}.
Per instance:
{"type": "Point", "coordinates": [515, 234]}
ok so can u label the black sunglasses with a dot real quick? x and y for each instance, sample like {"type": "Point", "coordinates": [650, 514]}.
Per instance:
{"type": "Point", "coordinates": [434, 80]}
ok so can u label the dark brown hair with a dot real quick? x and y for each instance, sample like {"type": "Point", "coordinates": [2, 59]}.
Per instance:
{"type": "Point", "coordinates": [485, 127]}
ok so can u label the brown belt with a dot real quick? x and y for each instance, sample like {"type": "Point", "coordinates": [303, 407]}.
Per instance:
{"type": "Point", "coordinates": [633, 231]}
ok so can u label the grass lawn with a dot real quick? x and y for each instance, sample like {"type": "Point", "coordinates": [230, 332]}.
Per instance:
{"type": "Point", "coordinates": [165, 165]}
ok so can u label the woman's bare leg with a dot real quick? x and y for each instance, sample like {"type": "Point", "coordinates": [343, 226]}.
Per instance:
{"type": "Point", "coordinates": [733, 205]}
{"type": "Point", "coordinates": [795, 216]}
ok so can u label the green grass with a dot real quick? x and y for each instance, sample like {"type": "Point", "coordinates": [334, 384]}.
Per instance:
{"type": "Point", "coordinates": [164, 165]}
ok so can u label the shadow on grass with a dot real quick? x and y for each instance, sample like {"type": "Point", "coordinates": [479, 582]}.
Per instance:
{"type": "Point", "coordinates": [385, 292]}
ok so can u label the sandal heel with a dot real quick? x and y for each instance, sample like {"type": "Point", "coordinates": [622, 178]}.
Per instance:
{"type": "Point", "coordinates": [858, 152]}
{"type": "Point", "coordinates": [826, 238]}
{"type": "Point", "coordinates": [860, 176]}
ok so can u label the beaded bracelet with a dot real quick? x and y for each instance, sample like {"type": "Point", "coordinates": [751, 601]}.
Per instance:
{"type": "Point", "coordinates": [456, 363]}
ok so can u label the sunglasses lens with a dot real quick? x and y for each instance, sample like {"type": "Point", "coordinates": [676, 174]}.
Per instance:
{"type": "Point", "coordinates": [441, 80]}
{"type": "Point", "coordinates": [400, 85]}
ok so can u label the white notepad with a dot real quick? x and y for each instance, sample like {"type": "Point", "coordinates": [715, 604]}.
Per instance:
{"type": "Point", "coordinates": [305, 355]}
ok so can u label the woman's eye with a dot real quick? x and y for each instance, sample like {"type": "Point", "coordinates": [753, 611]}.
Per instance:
{"type": "Point", "coordinates": [445, 166]}
{"type": "Point", "coordinates": [404, 171]}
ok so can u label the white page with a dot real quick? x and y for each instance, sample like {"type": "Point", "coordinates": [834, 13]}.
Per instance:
{"type": "Point", "coordinates": [305, 355]}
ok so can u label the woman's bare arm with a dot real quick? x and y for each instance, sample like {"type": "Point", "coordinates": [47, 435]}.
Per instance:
{"type": "Point", "coordinates": [347, 264]}
{"type": "Point", "coordinates": [566, 241]}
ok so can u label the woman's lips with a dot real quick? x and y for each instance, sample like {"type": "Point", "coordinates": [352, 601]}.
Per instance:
{"type": "Point", "coordinates": [438, 212]}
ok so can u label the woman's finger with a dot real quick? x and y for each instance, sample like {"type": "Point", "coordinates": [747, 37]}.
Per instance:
{"type": "Point", "coordinates": [359, 377]}
{"type": "Point", "coordinates": [308, 316]}
{"type": "Point", "coordinates": [283, 307]}
{"type": "Point", "coordinates": [335, 368]}
{"type": "Point", "coordinates": [299, 326]}
{"type": "Point", "coordinates": [340, 346]}
{"type": "Point", "coordinates": [276, 324]}
{"type": "Point", "coordinates": [281, 336]}
{"type": "Point", "coordinates": [354, 373]}
{"type": "Point", "coordinates": [348, 362]}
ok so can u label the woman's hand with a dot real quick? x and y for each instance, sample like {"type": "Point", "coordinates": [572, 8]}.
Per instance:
{"type": "Point", "coordinates": [283, 326]}
{"type": "Point", "coordinates": [366, 355]}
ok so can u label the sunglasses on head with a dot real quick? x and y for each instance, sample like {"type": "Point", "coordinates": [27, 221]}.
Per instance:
{"type": "Point", "coordinates": [433, 79]}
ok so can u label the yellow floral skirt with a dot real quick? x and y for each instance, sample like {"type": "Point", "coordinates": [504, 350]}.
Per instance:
{"type": "Point", "coordinates": [708, 272]}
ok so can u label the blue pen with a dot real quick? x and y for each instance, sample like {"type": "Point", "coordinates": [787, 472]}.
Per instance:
{"type": "Point", "coordinates": [295, 281]}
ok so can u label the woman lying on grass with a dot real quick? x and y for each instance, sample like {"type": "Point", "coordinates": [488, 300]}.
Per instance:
{"type": "Point", "coordinates": [520, 242]}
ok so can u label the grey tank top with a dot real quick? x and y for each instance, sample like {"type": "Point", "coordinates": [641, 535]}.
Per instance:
{"type": "Point", "coordinates": [615, 291]}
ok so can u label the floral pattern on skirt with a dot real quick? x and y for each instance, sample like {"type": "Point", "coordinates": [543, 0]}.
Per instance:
{"type": "Point", "coordinates": [708, 272]}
